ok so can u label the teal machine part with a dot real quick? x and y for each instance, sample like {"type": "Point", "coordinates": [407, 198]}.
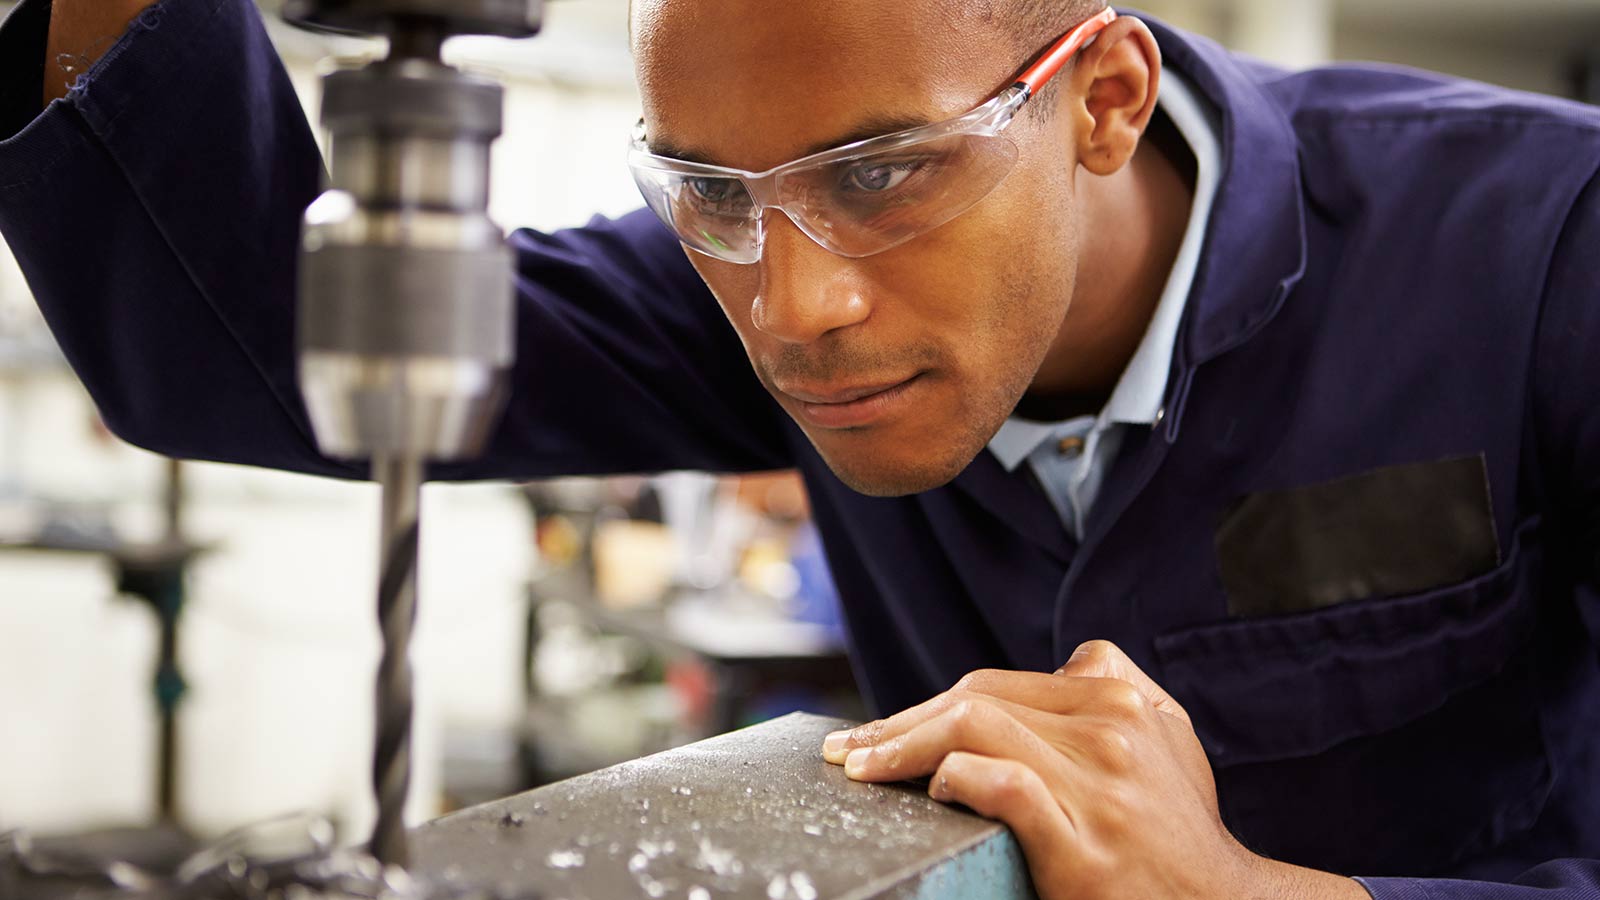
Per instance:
{"type": "Point", "coordinates": [754, 813]}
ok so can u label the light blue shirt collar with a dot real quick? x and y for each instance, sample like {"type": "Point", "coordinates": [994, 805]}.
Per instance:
{"type": "Point", "coordinates": [1137, 398]}
{"type": "Point", "coordinates": [1017, 438]}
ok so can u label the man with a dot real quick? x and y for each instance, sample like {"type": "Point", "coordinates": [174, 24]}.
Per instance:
{"type": "Point", "coordinates": [1270, 393]}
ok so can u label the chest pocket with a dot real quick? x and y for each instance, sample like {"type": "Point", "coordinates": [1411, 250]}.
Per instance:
{"type": "Point", "coordinates": [1385, 736]}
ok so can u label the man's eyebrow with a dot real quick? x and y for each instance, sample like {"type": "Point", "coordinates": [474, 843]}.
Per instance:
{"type": "Point", "coordinates": [866, 129]}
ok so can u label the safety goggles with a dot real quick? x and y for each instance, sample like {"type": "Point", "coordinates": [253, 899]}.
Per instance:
{"type": "Point", "coordinates": [859, 199]}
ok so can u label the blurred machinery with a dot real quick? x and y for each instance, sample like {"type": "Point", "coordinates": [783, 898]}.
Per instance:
{"type": "Point", "coordinates": [670, 609]}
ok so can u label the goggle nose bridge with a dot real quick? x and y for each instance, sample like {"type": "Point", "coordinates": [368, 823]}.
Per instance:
{"type": "Point", "coordinates": [764, 194]}
{"type": "Point", "coordinates": [763, 190]}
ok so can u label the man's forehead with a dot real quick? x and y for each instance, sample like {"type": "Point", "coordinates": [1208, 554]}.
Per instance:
{"type": "Point", "coordinates": [957, 15]}
{"type": "Point", "coordinates": [752, 83]}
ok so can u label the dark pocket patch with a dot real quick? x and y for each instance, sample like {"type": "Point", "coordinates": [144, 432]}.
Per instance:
{"type": "Point", "coordinates": [1391, 531]}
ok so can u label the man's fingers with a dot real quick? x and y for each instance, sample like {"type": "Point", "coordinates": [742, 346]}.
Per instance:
{"type": "Point", "coordinates": [1036, 691]}
{"type": "Point", "coordinates": [976, 726]}
{"type": "Point", "coordinates": [838, 745]}
{"type": "Point", "coordinates": [1103, 659]}
{"type": "Point", "coordinates": [1011, 792]}
{"type": "Point", "coordinates": [1090, 666]}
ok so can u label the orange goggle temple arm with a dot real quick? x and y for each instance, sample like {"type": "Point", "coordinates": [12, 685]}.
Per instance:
{"type": "Point", "coordinates": [1058, 54]}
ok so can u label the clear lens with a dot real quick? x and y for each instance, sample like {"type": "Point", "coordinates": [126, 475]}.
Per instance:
{"type": "Point", "coordinates": [854, 201]}
{"type": "Point", "coordinates": [714, 214]}
{"type": "Point", "coordinates": [868, 204]}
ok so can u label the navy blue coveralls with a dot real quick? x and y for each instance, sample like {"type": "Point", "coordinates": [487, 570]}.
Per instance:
{"type": "Point", "coordinates": [1360, 547]}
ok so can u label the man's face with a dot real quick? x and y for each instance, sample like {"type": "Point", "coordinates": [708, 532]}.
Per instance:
{"type": "Point", "coordinates": [955, 323]}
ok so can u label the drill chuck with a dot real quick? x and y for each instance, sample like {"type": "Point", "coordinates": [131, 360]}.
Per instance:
{"type": "Point", "coordinates": [406, 310]}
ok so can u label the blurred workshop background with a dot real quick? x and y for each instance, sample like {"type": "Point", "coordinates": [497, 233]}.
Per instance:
{"type": "Point", "coordinates": [564, 626]}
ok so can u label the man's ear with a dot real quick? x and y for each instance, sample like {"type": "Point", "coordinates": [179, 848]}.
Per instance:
{"type": "Point", "coordinates": [1113, 94]}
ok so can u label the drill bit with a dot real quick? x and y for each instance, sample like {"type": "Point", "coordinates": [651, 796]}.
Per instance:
{"type": "Point", "coordinates": [401, 481]}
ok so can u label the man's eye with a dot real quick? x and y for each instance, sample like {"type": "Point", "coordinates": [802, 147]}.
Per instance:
{"type": "Point", "coordinates": [711, 190]}
{"type": "Point", "coordinates": [878, 177]}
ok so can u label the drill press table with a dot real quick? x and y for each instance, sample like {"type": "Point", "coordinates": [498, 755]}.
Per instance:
{"type": "Point", "coordinates": [753, 813]}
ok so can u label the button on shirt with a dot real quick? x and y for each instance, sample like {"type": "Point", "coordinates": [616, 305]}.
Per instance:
{"type": "Point", "coordinates": [1070, 458]}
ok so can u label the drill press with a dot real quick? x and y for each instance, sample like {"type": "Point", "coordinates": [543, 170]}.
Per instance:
{"type": "Point", "coordinates": [406, 302]}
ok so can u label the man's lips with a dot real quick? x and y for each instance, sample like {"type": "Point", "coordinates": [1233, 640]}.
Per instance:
{"type": "Point", "coordinates": [849, 407]}
{"type": "Point", "coordinates": [831, 396]}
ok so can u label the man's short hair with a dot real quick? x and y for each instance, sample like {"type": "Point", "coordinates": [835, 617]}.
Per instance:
{"type": "Point", "coordinates": [1035, 24]}
{"type": "Point", "coordinates": [1038, 22]}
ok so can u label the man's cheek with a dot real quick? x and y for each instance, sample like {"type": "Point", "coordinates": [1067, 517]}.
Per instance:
{"type": "Point", "coordinates": [736, 309]}
{"type": "Point", "coordinates": [733, 285]}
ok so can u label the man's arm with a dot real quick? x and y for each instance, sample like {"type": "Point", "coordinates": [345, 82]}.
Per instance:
{"type": "Point", "coordinates": [1566, 396]}
{"type": "Point", "coordinates": [155, 212]}
{"type": "Point", "coordinates": [1566, 404]}
{"type": "Point", "coordinates": [1566, 411]}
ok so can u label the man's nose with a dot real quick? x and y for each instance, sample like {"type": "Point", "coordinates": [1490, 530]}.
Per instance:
{"type": "Point", "coordinates": [804, 290]}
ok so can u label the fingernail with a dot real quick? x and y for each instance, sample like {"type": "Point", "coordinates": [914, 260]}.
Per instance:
{"type": "Point", "coordinates": [833, 746]}
{"type": "Point", "coordinates": [855, 764]}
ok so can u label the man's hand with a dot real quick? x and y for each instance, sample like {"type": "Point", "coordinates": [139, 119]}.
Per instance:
{"type": "Point", "coordinates": [1095, 769]}
{"type": "Point", "coordinates": [81, 31]}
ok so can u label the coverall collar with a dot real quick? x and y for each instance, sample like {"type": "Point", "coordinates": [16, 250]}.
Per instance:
{"type": "Point", "coordinates": [1255, 250]}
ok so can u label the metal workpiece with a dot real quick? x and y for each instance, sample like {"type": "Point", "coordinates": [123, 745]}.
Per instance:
{"type": "Point", "coordinates": [755, 813]}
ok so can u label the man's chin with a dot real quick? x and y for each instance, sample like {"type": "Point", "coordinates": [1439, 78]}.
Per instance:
{"type": "Point", "coordinates": [879, 477]}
